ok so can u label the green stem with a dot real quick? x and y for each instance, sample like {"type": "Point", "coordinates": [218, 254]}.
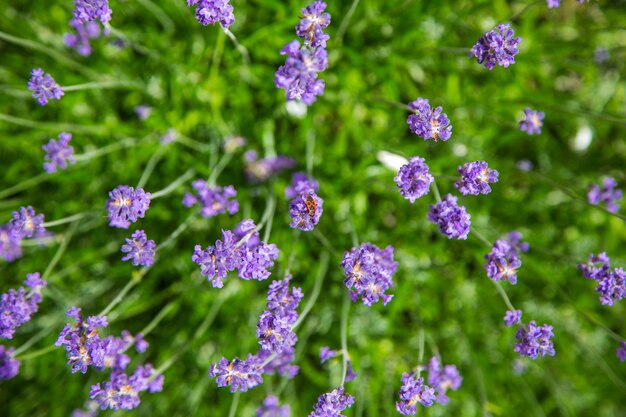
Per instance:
{"type": "Point", "coordinates": [147, 172]}
{"type": "Point", "coordinates": [317, 287]}
{"type": "Point", "coordinates": [224, 160]}
{"type": "Point", "coordinates": [346, 20]}
{"type": "Point", "coordinates": [482, 238]}
{"type": "Point", "coordinates": [502, 293]}
{"type": "Point", "coordinates": [100, 85]}
{"type": "Point", "coordinates": [118, 299]}
{"type": "Point", "coordinates": [55, 127]}
{"type": "Point", "coordinates": [174, 185]}
{"type": "Point", "coordinates": [65, 220]}
{"type": "Point", "coordinates": [37, 353]}
{"type": "Point", "coordinates": [122, 144]}
{"type": "Point", "coordinates": [159, 14]}
{"type": "Point", "coordinates": [436, 191]}
{"type": "Point", "coordinates": [344, 336]}
{"type": "Point", "coordinates": [420, 351]}
{"type": "Point", "coordinates": [310, 152]}
{"type": "Point", "coordinates": [60, 251]}
{"type": "Point", "coordinates": [233, 405]}
{"type": "Point", "coordinates": [180, 229]}
{"type": "Point", "coordinates": [24, 185]}
{"type": "Point", "coordinates": [157, 319]}
{"type": "Point", "coordinates": [325, 242]}
{"type": "Point", "coordinates": [242, 49]}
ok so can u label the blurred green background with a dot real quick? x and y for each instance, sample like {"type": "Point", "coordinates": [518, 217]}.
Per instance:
{"type": "Point", "coordinates": [381, 54]}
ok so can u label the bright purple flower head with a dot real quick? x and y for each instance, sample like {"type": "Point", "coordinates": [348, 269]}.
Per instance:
{"type": "Point", "coordinates": [10, 246]}
{"type": "Point", "coordinates": [143, 111]}
{"type": "Point", "coordinates": [452, 219]}
{"type": "Point", "coordinates": [496, 47]}
{"type": "Point", "coordinates": [44, 87]}
{"type": "Point", "coordinates": [274, 331]}
{"type": "Point", "coordinates": [596, 267]}
{"type": "Point", "coordinates": [82, 342]}
{"type": "Point", "coordinates": [298, 77]}
{"type": "Point", "coordinates": [332, 404]}
{"type": "Point", "coordinates": [17, 307]}
{"type": "Point", "coordinates": [80, 40]}
{"type": "Point", "coordinates": [533, 120]}
{"type": "Point", "coordinates": [428, 123]}
{"type": "Point", "coordinates": [271, 408]}
{"type": "Point", "coordinates": [209, 12]}
{"type": "Point", "coordinates": [412, 392]}
{"type": "Point", "coordinates": [553, 3]}
{"type": "Point", "coordinates": [503, 262]}
{"type": "Point", "coordinates": [237, 374]}
{"type": "Point", "coordinates": [58, 154]}
{"type": "Point", "coordinates": [310, 26]}
{"type": "Point", "coordinates": [139, 249]}
{"type": "Point", "coordinates": [607, 194]}
{"type": "Point", "coordinates": [301, 184]}
{"type": "Point", "coordinates": [282, 362]}
{"type": "Point", "coordinates": [621, 351]}
{"type": "Point", "coordinates": [121, 392]}
{"type": "Point", "coordinates": [260, 170]}
{"type": "Point", "coordinates": [414, 179]}
{"type": "Point", "coordinates": [213, 200]}
{"type": "Point", "coordinates": [9, 366]}
{"type": "Point", "coordinates": [326, 353]}
{"type": "Point", "coordinates": [475, 178]}
{"type": "Point", "coordinates": [305, 211]}
{"type": "Point", "coordinates": [512, 317]}
{"type": "Point", "coordinates": [534, 341]}
{"type": "Point", "coordinates": [369, 272]}
{"type": "Point", "coordinates": [283, 299]}
{"type": "Point", "coordinates": [612, 287]}
{"type": "Point", "coordinates": [443, 379]}
{"type": "Point", "coordinates": [125, 205]}
{"type": "Point", "coordinates": [90, 10]}
{"type": "Point", "coordinates": [26, 223]}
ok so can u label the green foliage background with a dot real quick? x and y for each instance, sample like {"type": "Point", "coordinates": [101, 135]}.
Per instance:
{"type": "Point", "coordinates": [382, 54]}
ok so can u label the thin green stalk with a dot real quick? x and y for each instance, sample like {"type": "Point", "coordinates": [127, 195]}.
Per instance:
{"type": "Point", "coordinates": [310, 152]}
{"type": "Point", "coordinates": [420, 352]}
{"type": "Point", "coordinates": [118, 299]}
{"type": "Point", "coordinates": [346, 20]}
{"type": "Point", "coordinates": [482, 238]}
{"type": "Point", "coordinates": [502, 293]}
{"type": "Point", "coordinates": [60, 251]}
{"type": "Point", "coordinates": [103, 85]}
{"type": "Point", "coordinates": [436, 191]}
{"type": "Point", "coordinates": [24, 185]}
{"type": "Point", "coordinates": [174, 185]}
{"type": "Point", "coordinates": [224, 160]}
{"type": "Point", "coordinates": [292, 254]}
{"type": "Point", "coordinates": [163, 18]}
{"type": "Point", "coordinates": [152, 162]}
{"type": "Point", "coordinates": [122, 144]}
{"type": "Point", "coordinates": [344, 337]}
{"type": "Point", "coordinates": [317, 287]}
{"type": "Point", "coordinates": [36, 353]}
{"type": "Point", "coordinates": [54, 127]}
{"type": "Point", "coordinates": [233, 405]}
{"type": "Point", "coordinates": [157, 319]}
{"type": "Point", "coordinates": [68, 219]}
{"type": "Point", "coordinates": [242, 49]}
{"type": "Point", "coordinates": [180, 229]}
{"type": "Point", "coordinates": [325, 242]}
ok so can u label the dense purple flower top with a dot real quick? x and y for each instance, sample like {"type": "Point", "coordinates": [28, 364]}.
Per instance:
{"type": "Point", "coordinates": [532, 122]}
{"type": "Point", "coordinates": [271, 408]}
{"type": "Point", "coordinates": [17, 307]}
{"type": "Point", "coordinates": [611, 282]}
{"type": "Point", "coordinates": [553, 3]}
{"type": "Point", "coordinates": [58, 154]}
{"type": "Point", "coordinates": [121, 392]}
{"type": "Point", "coordinates": [475, 178]}
{"type": "Point", "coordinates": [443, 379]}
{"type": "Point", "coordinates": [512, 317]}
{"type": "Point", "coordinates": [503, 262]}
{"type": "Point", "coordinates": [209, 12]}
{"type": "Point", "coordinates": [452, 219]}
{"type": "Point", "coordinates": [213, 200]}
{"type": "Point", "coordinates": [10, 248]}
{"type": "Point", "coordinates": [44, 87]}
{"type": "Point", "coordinates": [428, 123]}
{"type": "Point", "coordinates": [82, 342]}
{"type": "Point", "coordinates": [139, 249]}
{"type": "Point", "coordinates": [326, 353]}
{"type": "Point", "coordinates": [305, 211]}
{"type": "Point", "coordinates": [621, 351]}
{"type": "Point", "coordinates": [126, 205]}
{"type": "Point", "coordinates": [332, 404]}
{"type": "Point", "coordinates": [90, 10]}
{"type": "Point", "coordinates": [607, 194]}
{"type": "Point", "coordinates": [26, 223]}
{"type": "Point", "coordinates": [533, 341]}
{"type": "Point", "coordinates": [412, 392]}
{"type": "Point", "coordinates": [310, 26]}
{"type": "Point", "coordinates": [237, 374]}
{"type": "Point", "coordinates": [496, 47]}
{"type": "Point", "coordinates": [80, 40]}
{"type": "Point", "coordinates": [369, 271]}
{"type": "Point", "coordinates": [298, 76]}
{"type": "Point", "coordinates": [9, 366]}
{"type": "Point", "coordinates": [414, 179]}
{"type": "Point", "coordinates": [301, 184]}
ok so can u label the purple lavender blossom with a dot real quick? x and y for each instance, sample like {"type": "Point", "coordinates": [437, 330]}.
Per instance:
{"type": "Point", "coordinates": [237, 374]}
{"type": "Point", "coordinates": [443, 379]}
{"type": "Point", "coordinates": [9, 366]}
{"type": "Point", "coordinates": [515, 240]}
{"type": "Point", "coordinates": [305, 211]}
{"type": "Point", "coordinates": [260, 170]}
{"type": "Point", "coordinates": [497, 46]}
{"type": "Point", "coordinates": [298, 77]}
{"type": "Point", "coordinates": [369, 272]}
{"type": "Point", "coordinates": [274, 329]}
{"type": "Point", "coordinates": [121, 392]}
{"type": "Point", "coordinates": [326, 353]}
{"type": "Point", "coordinates": [475, 178]}
{"type": "Point", "coordinates": [209, 12]}
{"type": "Point", "coordinates": [139, 249]}
{"type": "Point", "coordinates": [512, 317]}
{"type": "Point", "coordinates": [10, 248]}
{"type": "Point", "coordinates": [534, 341]}
{"type": "Point", "coordinates": [283, 299]}
{"type": "Point", "coordinates": [607, 194]}
{"type": "Point", "coordinates": [414, 179]}
{"type": "Point", "coordinates": [82, 341]}
{"type": "Point", "coordinates": [271, 408]}
{"type": "Point", "coordinates": [503, 262]}
{"type": "Point", "coordinates": [26, 223]}
{"type": "Point", "coordinates": [350, 374]}
{"type": "Point", "coordinates": [310, 26]}
{"type": "Point", "coordinates": [621, 351]}
{"type": "Point", "coordinates": [612, 287]}
{"type": "Point", "coordinates": [90, 10]}
{"type": "Point", "coordinates": [58, 154]}
{"type": "Point", "coordinates": [533, 120]}
{"type": "Point", "coordinates": [553, 3]}
{"type": "Point", "coordinates": [301, 184]}
{"type": "Point", "coordinates": [332, 404]}
{"type": "Point", "coordinates": [17, 307]}
{"type": "Point", "coordinates": [125, 205]}
{"type": "Point", "coordinates": [452, 219]}
{"type": "Point", "coordinates": [213, 200]}
{"type": "Point", "coordinates": [44, 87]}
{"type": "Point", "coordinates": [412, 392]}
{"type": "Point", "coordinates": [143, 111]}
{"type": "Point", "coordinates": [428, 123]}
{"type": "Point", "coordinates": [596, 267]}
{"type": "Point", "coordinates": [80, 40]}
{"type": "Point", "coordinates": [280, 363]}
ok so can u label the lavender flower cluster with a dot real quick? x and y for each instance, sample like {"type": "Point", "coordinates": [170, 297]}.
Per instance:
{"type": "Point", "coordinates": [126, 205]}
{"type": "Point", "coordinates": [496, 47]}
{"type": "Point", "coordinates": [209, 12]}
{"type": "Point", "coordinates": [503, 260]}
{"type": "Point", "coordinates": [608, 194]}
{"type": "Point", "coordinates": [428, 123]}
{"type": "Point", "coordinates": [611, 282]}
{"type": "Point", "coordinates": [213, 200]}
{"type": "Point", "coordinates": [25, 224]}
{"type": "Point", "coordinates": [305, 208]}
{"type": "Point", "coordinates": [369, 271]}
{"type": "Point", "coordinates": [58, 154]}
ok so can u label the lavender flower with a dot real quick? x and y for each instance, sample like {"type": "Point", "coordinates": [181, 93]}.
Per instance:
{"type": "Point", "coordinates": [414, 179]}
{"type": "Point", "coordinates": [607, 194]}
{"type": "Point", "coordinates": [143, 111]}
{"type": "Point", "coordinates": [332, 404]}
{"type": "Point", "coordinates": [326, 354]}
{"type": "Point", "coordinates": [10, 248]}
{"type": "Point", "coordinates": [512, 317]}
{"type": "Point", "coordinates": [281, 363]}
{"type": "Point", "coordinates": [298, 77]}
{"type": "Point", "coordinates": [209, 12]}
{"type": "Point", "coordinates": [533, 120]}
{"type": "Point", "coordinates": [9, 366]}
{"type": "Point", "coordinates": [412, 392]}
{"type": "Point", "coordinates": [502, 262]}
{"type": "Point", "coordinates": [497, 46]}
{"type": "Point", "coordinates": [443, 379]}
{"type": "Point", "coordinates": [26, 223]}
{"type": "Point", "coordinates": [80, 40]}
{"type": "Point", "coordinates": [553, 3]}
{"type": "Point", "coordinates": [17, 307]}
{"type": "Point", "coordinates": [428, 123]}
{"type": "Point", "coordinates": [271, 408]}
{"type": "Point", "coordinates": [58, 154]}
{"type": "Point", "coordinates": [534, 341]}
{"type": "Point", "coordinates": [283, 299]}
{"type": "Point", "coordinates": [475, 178]}
{"type": "Point", "coordinates": [620, 352]}
{"type": "Point", "coordinates": [612, 287]}
{"type": "Point", "coordinates": [305, 211]}
{"type": "Point", "coordinates": [44, 87]}
{"type": "Point", "coordinates": [90, 10]}
{"type": "Point", "coordinates": [126, 205]}
{"type": "Point", "coordinates": [350, 374]}
{"type": "Point", "coordinates": [82, 341]}
{"type": "Point", "coordinates": [301, 184]}
{"type": "Point", "coordinates": [596, 267]}
{"type": "Point", "coordinates": [121, 392]}
{"type": "Point", "coordinates": [139, 249]}
{"type": "Point", "coordinates": [369, 272]}
{"type": "Point", "coordinates": [310, 26]}
{"type": "Point", "coordinates": [237, 374]}
{"type": "Point", "coordinates": [274, 329]}
{"type": "Point", "coordinates": [213, 200]}
{"type": "Point", "coordinates": [452, 219]}
{"type": "Point", "coordinates": [260, 170]}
